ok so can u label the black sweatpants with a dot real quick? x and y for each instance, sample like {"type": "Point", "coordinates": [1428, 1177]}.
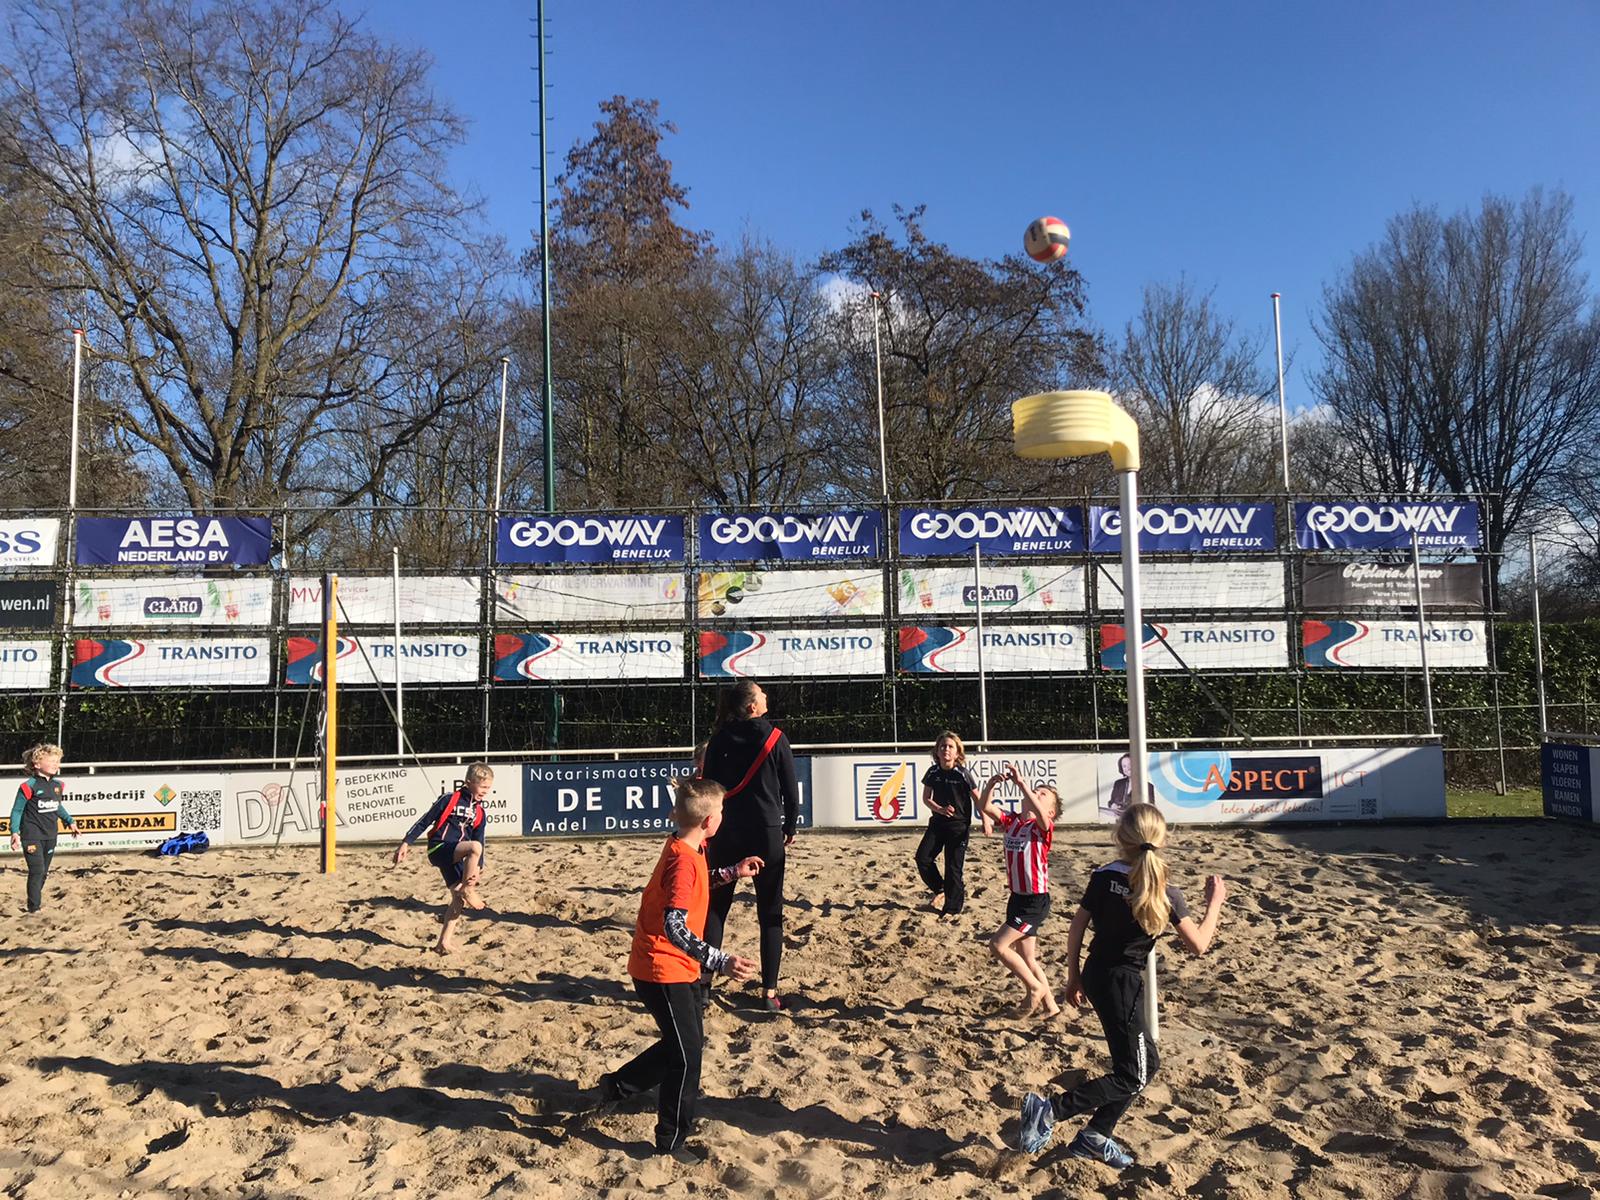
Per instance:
{"type": "Point", "coordinates": [952, 840]}
{"type": "Point", "coordinates": [673, 1063]}
{"type": "Point", "coordinates": [37, 853]}
{"type": "Point", "coordinates": [729, 847]}
{"type": "Point", "coordinates": [1116, 993]}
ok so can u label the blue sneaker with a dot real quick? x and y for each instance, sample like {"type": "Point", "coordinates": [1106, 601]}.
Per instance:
{"type": "Point", "coordinates": [1099, 1148]}
{"type": "Point", "coordinates": [1038, 1122]}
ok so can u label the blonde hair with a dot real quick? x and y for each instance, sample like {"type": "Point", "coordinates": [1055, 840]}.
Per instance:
{"type": "Point", "coordinates": [696, 799]}
{"type": "Point", "coordinates": [961, 749]}
{"type": "Point", "coordinates": [31, 756]}
{"type": "Point", "coordinates": [477, 772]}
{"type": "Point", "coordinates": [1140, 834]}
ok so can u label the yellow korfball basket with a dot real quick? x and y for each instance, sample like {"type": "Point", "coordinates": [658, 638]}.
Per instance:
{"type": "Point", "coordinates": [1074, 424]}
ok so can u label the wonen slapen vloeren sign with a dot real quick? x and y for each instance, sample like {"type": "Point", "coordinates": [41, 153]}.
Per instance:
{"type": "Point", "coordinates": [1013, 529]}
{"type": "Point", "coordinates": [1359, 525]}
{"type": "Point", "coordinates": [728, 537]}
{"type": "Point", "coordinates": [174, 541]}
{"type": "Point", "coordinates": [1219, 528]}
{"type": "Point", "coordinates": [633, 538]}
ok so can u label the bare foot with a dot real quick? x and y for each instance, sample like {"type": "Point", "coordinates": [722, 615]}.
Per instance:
{"type": "Point", "coordinates": [1037, 997]}
{"type": "Point", "coordinates": [1051, 1008]}
{"type": "Point", "coordinates": [444, 948]}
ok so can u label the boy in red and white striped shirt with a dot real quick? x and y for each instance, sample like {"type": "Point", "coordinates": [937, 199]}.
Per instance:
{"type": "Point", "coordinates": [1027, 846]}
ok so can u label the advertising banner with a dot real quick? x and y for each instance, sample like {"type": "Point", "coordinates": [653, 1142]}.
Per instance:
{"type": "Point", "coordinates": [804, 593]}
{"type": "Point", "coordinates": [369, 600]}
{"type": "Point", "coordinates": [636, 538]}
{"type": "Point", "coordinates": [1566, 777]}
{"type": "Point", "coordinates": [1339, 587]}
{"type": "Point", "coordinates": [733, 537]}
{"type": "Point", "coordinates": [124, 602]}
{"type": "Point", "coordinates": [1358, 525]}
{"type": "Point", "coordinates": [364, 661]}
{"type": "Point", "coordinates": [884, 791]}
{"type": "Point", "coordinates": [174, 541]}
{"type": "Point", "coordinates": [530, 657]}
{"type": "Point", "coordinates": [1013, 529]}
{"type": "Point", "coordinates": [1181, 587]}
{"type": "Point", "coordinates": [163, 662]}
{"type": "Point", "coordinates": [25, 666]}
{"type": "Point", "coordinates": [1218, 528]}
{"type": "Point", "coordinates": [774, 653]}
{"type": "Point", "coordinates": [951, 591]}
{"type": "Point", "coordinates": [1395, 644]}
{"type": "Point", "coordinates": [564, 799]}
{"type": "Point", "coordinates": [1007, 649]}
{"type": "Point", "coordinates": [136, 812]}
{"type": "Point", "coordinates": [590, 596]}
{"type": "Point", "coordinates": [27, 604]}
{"type": "Point", "coordinates": [29, 542]}
{"type": "Point", "coordinates": [1344, 784]}
{"type": "Point", "coordinates": [1201, 646]}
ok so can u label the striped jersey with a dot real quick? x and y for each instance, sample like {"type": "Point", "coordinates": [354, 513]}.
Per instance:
{"type": "Point", "coordinates": [1027, 854]}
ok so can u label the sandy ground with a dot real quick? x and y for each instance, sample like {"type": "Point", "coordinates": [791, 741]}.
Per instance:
{"type": "Point", "coordinates": [1386, 1012]}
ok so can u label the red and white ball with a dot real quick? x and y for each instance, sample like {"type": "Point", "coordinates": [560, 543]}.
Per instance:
{"type": "Point", "coordinates": [1046, 239]}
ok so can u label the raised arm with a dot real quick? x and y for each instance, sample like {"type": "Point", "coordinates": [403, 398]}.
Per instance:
{"type": "Point", "coordinates": [1198, 937]}
{"type": "Point", "coordinates": [987, 808]}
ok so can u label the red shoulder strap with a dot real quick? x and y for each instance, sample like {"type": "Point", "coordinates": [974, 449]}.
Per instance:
{"type": "Point", "coordinates": [766, 749]}
{"type": "Point", "coordinates": [450, 807]}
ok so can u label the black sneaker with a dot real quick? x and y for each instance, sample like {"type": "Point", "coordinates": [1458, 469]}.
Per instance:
{"type": "Point", "coordinates": [687, 1155]}
{"type": "Point", "coordinates": [604, 1097]}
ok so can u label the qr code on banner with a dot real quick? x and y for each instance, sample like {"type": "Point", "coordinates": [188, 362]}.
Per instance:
{"type": "Point", "coordinates": [1369, 808]}
{"type": "Point", "coordinates": [202, 810]}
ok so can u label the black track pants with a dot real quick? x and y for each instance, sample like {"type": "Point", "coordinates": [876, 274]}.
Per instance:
{"type": "Point", "coordinates": [37, 853]}
{"type": "Point", "coordinates": [673, 1063]}
{"type": "Point", "coordinates": [1116, 993]}
{"type": "Point", "coordinates": [952, 840]}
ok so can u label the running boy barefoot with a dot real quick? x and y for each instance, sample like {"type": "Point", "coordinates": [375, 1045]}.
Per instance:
{"type": "Point", "coordinates": [457, 826]}
{"type": "Point", "coordinates": [1027, 845]}
{"type": "Point", "coordinates": [665, 965]}
{"type": "Point", "coordinates": [40, 803]}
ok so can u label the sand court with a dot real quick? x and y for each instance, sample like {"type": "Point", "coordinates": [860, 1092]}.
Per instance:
{"type": "Point", "coordinates": [1387, 1011]}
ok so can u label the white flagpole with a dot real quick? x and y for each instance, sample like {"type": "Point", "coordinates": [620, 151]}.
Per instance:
{"type": "Point", "coordinates": [1283, 408]}
{"type": "Point", "coordinates": [399, 673]}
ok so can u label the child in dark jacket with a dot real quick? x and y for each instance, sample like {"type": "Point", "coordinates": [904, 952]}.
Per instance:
{"type": "Point", "coordinates": [457, 827]}
{"type": "Point", "coordinates": [39, 807]}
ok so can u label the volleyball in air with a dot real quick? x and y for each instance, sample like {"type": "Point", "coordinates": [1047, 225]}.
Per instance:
{"type": "Point", "coordinates": [1046, 239]}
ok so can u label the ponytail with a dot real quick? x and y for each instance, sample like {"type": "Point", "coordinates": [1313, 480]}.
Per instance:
{"type": "Point", "coordinates": [734, 701]}
{"type": "Point", "coordinates": [1140, 834]}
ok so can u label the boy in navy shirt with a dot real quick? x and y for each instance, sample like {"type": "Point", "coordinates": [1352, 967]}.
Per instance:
{"type": "Point", "coordinates": [39, 806]}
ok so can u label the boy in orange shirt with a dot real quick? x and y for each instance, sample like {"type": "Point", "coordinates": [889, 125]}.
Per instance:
{"type": "Point", "coordinates": [668, 953]}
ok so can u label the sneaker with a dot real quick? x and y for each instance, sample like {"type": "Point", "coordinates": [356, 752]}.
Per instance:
{"type": "Point", "coordinates": [771, 1003]}
{"type": "Point", "coordinates": [1100, 1149]}
{"type": "Point", "coordinates": [687, 1155]}
{"type": "Point", "coordinates": [603, 1098]}
{"type": "Point", "coordinates": [1038, 1122]}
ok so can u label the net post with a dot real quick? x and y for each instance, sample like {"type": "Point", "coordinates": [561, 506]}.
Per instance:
{"type": "Point", "coordinates": [330, 712]}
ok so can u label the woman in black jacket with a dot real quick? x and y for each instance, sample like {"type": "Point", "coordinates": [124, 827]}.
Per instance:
{"type": "Point", "coordinates": [752, 759]}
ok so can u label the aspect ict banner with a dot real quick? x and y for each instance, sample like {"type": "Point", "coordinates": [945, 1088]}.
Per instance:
{"type": "Point", "coordinates": [1352, 525]}
{"type": "Point", "coordinates": [566, 798]}
{"type": "Point", "coordinates": [426, 660]}
{"type": "Point", "coordinates": [211, 662]}
{"type": "Point", "coordinates": [942, 591]}
{"type": "Point", "coordinates": [1007, 649]}
{"type": "Point", "coordinates": [25, 667]}
{"type": "Point", "coordinates": [1201, 646]}
{"type": "Point", "coordinates": [1180, 587]}
{"type": "Point", "coordinates": [1345, 784]}
{"type": "Point", "coordinates": [529, 657]}
{"type": "Point", "coordinates": [1014, 529]}
{"type": "Point", "coordinates": [29, 542]}
{"type": "Point", "coordinates": [590, 596]}
{"type": "Point", "coordinates": [175, 541]}
{"type": "Point", "coordinates": [103, 602]}
{"type": "Point", "coordinates": [803, 593]}
{"type": "Point", "coordinates": [1191, 527]}
{"type": "Point", "coordinates": [728, 537]}
{"type": "Point", "coordinates": [638, 538]}
{"type": "Point", "coordinates": [790, 652]}
{"type": "Point", "coordinates": [1339, 587]}
{"type": "Point", "coordinates": [135, 812]}
{"type": "Point", "coordinates": [27, 604]}
{"type": "Point", "coordinates": [369, 600]}
{"type": "Point", "coordinates": [1395, 644]}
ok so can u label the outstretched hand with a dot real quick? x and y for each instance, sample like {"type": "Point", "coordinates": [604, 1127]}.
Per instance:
{"type": "Point", "coordinates": [1216, 890]}
{"type": "Point", "coordinates": [400, 852]}
{"type": "Point", "coordinates": [748, 868]}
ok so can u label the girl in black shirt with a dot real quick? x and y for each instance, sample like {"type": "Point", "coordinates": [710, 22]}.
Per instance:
{"type": "Point", "coordinates": [948, 790]}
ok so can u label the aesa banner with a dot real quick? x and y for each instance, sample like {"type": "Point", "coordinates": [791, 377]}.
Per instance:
{"type": "Point", "coordinates": [624, 654]}
{"type": "Point", "coordinates": [369, 600]}
{"type": "Point", "coordinates": [1201, 646]}
{"type": "Point", "coordinates": [778, 653]}
{"type": "Point", "coordinates": [638, 538]}
{"type": "Point", "coordinates": [129, 602]}
{"type": "Point", "coordinates": [210, 662]}
{"type": "Point", "coordinates": [27, 604]}
{"type": "Point", "coordinates": [1179, 587]}
{"type": "Point", "coordinates": [1339, 587]}
{"type": "Point", "coordinates": [174, 541]}
{"type": "Point", "coordinates": [1361, 525]}
{"type": "Point", "coordinates": [590, 596]}
{"type": "Point", "coordinates": [799, 593]}
{"type": "Point", "coordinates": [730, 537]}
{"type": "Point", "coordinates": [364, 661]}
{"type": "Point", "coordinates": [1007, 649]}
{"type": "Point", "coordinates": [1014, 529]}
{"type": "Point", "coordinates": [1395, 644]}
{"type": "Point", "coordinates": [943, 591]}
{"type": "Point", "coordinates": [29, 542]}
{"type": "Point", "coordinates": [25, 667]}
{"type": "Point", "coordinates": [1217, 528]}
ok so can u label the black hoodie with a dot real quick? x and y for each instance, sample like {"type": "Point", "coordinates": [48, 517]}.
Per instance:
{"type": "Point", "coordinates": [772, 797]}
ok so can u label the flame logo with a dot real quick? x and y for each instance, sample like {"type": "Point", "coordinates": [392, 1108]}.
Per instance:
{"type": "Point", "coordinates": [887, 804]}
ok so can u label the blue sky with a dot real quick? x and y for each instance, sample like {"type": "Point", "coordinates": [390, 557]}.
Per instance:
{"type": "Point", "coordinates": [1252, 146]}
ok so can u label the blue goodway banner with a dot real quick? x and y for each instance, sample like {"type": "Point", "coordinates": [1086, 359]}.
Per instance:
{"type": "Point", "coordinates": [732, 537]}
{"type": "Point", "coordinates": [1192, 527]}
{"type": "Point", "coordinates": [175, 541]}
{"type": "Point", "coordinates": [634, 538]}
{"type": "Point", "coordinates": [1017, 529]}
{"type": "Point", "coordinates": [574, 798]}
{"type": "Point", "coordinates": [1363, 525]}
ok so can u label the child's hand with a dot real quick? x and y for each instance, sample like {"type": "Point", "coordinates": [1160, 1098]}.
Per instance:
{"type": "Point", "coordinates": [988, 826]}
{"type": "Point", "coordinates": [400, 853]}
{"type": "Point", "coordinates": [748, 868]}
{"type": "Point", "coordinates": [73, 829]}
{"type": "Point", "coordinates": [1075, 993]}
{"type": "Point", "coordinates": [1216, 890]}
{"type": "Point", "coordinates": [16, 842]}
{"type": "Point", "coordinates": [741, 969]}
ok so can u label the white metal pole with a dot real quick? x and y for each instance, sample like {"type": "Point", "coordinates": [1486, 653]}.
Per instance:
{"type": "Point", "coordinates": [1538, 638]}
{"type": "Point", "coordinates": [983, 681]}
{"type": "Point", "coordinates": [1422, 630]}
{"type": "Point", "coordinates": [1283, 408]}
{"type": "Point", "coordinates": [1133, 642]}
{"type": "Point", "coordinates": [877, 358]}
{"type": "Point", "coordinates": [399, 686]}
{"type": "Point", "coordinates": [77, 381]}
{"type": "Point", "coordinates": [500, 446]}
